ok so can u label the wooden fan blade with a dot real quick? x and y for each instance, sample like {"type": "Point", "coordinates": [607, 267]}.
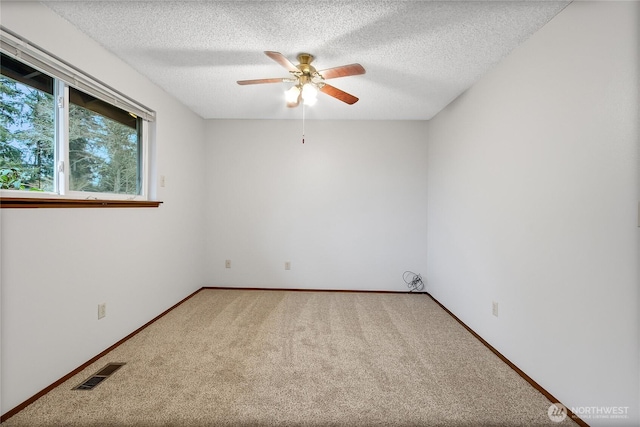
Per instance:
{"type": "Point", "coordinates": [260, 81]}
{"type": "Point", "coordinates": [282, 60]}
{"type": "Point", "coordinates": [339, 94]}
{"type": "Point", "coordinates": [343, 71]}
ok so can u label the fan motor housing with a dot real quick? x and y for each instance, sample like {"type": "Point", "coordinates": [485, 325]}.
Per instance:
{"type": "Point", "coordinates": [305, 58]}
{"type": "Point", "coordinates": [305, 64]}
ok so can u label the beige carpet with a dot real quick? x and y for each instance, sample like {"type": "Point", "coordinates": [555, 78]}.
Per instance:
{"type": "Point", "coordinates": [259, 358]}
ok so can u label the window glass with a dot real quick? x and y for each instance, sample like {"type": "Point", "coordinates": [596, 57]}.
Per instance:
{"type": "Point", "coordinates": [27, 128]}
{"type": "Point", "coordinates": [104, 146]}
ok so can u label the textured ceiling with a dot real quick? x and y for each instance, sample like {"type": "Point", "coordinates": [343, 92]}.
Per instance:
{"type": "Point", "coordinates": [418, 55]}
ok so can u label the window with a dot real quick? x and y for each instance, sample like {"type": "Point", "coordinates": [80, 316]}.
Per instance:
{"type": "Point", "coordinates": [65, 135]}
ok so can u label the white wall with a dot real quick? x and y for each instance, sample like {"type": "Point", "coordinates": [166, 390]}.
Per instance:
{"type": "Point", "coordinates": [533, 191]}
{"type": "Point", "coordinates": [347, 208]}
{"type": "Point", "coordinates": [59, 264]}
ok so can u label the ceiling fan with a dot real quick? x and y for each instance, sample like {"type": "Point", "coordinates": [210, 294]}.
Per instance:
{"type": "Point", "coordinates": [308, 81]}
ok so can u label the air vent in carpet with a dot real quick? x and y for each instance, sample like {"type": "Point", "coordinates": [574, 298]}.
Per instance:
{"type": "Point", "coordinates": [95, 379]}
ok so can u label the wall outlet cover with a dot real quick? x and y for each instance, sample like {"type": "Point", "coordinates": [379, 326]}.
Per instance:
{"type": "Point", "coordinates": [102, 310]}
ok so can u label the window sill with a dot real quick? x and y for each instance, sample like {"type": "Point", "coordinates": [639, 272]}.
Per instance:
{"type": "Point", "coordinates": [25, 202]}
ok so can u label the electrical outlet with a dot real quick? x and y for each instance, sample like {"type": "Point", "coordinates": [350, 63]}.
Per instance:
{"type": "Point", "coordinates": [227, 264]}
{"type": "Point", "coordinates": [287, 265]}
{"type": "Point", "coordinates": [102, 310]}
{"type": "Point", "coordinates": [162, 180]}
{"type": "Point", "coordinates": [495, 308]}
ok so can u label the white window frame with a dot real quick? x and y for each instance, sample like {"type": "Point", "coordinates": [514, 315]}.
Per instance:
{"type": "Point", "coordinates": [65, 76]}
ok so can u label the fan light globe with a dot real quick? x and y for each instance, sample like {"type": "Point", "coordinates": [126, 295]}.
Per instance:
{"type": "Point", "coordinates": [310, 101]}
{"type": "Point", "coordinates": [292, 94]}
{"type": "Point", "coordinates": [309, 94]}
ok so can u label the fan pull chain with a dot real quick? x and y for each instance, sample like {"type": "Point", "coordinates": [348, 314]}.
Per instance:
{"type": "Point", "coordinates": [303, 122]}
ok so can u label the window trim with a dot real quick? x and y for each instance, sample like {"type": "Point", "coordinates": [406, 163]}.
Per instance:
{"type": "Point", "coordinates": [37, 202]}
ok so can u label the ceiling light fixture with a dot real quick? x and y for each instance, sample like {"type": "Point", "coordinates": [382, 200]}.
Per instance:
{"type": "Point", "coordinates": [308, 81]}
{"type": "Point", "coordinates": [307, 92]}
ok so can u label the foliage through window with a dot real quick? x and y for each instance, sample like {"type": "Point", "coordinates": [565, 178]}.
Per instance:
{"type": "Point", "coordinates": [27, 128]}
{"type": "Point", "coordinates": [55, 138]}
{"type": "Point", "coordinates": [103, 146]}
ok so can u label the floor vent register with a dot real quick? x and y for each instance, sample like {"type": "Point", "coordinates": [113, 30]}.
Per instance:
{"type": "Point", "coordinates": [97, 378]}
